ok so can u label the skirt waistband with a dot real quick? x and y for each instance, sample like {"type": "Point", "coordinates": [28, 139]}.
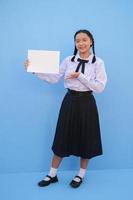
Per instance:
{"type": "Point", "coordinates": [79, 93]}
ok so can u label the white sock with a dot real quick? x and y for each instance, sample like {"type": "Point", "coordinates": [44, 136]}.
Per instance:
{"type": "Point", "coordinates": [81, 174]}
{"type": "Point", "coordinates": [52, 173]}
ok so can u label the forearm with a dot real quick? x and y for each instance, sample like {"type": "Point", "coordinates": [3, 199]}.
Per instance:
{"type": "Point", "coordinates": [51, 78]}
{"type": "Point", "coordinates": [95, 85]}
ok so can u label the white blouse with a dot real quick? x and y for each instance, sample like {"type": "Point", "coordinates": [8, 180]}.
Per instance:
{"type": "Point", "coordinates": [94, 77]}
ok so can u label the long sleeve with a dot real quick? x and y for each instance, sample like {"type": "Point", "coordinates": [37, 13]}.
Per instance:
{"type": "Point", "coordinates": [53, 78]}
{"type": "Point", "coordinates": [97, 83]}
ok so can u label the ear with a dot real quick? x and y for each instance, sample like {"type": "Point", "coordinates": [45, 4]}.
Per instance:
{"type": "Point", "coordinates": [91, 44]}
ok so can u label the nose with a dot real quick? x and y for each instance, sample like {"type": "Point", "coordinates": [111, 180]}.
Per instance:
{"type": "Point", "coordinates": [81, 43]}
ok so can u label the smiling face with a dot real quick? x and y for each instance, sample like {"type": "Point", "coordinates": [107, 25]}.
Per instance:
{"type": "Point", "coordinates": [83, 43]}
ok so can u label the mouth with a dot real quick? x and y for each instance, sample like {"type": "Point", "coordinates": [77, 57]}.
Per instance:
{"type": "Point", "coordinates": [82, 48]}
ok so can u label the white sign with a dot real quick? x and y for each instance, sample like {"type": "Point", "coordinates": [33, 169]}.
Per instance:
{"type": "Point", "coordinates": [43, 61]}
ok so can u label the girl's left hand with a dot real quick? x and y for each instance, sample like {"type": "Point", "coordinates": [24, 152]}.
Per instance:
{"type": "Point", "coordinates": [73, 75]}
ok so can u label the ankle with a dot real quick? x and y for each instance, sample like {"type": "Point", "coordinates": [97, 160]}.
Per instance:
{"type": "Point", "coordinates": [53, 172]}
{"type": "Point", "coordinates": [82, 172]}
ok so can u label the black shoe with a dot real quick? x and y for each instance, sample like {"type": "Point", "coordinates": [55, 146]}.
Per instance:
{"type": "Point", "coordinates": [44, 183]}
{"type": "Point", "coordinates": [76, 184]}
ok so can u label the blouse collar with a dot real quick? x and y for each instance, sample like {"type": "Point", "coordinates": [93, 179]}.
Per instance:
{"type": "Point", "coordinates": [89, 58]}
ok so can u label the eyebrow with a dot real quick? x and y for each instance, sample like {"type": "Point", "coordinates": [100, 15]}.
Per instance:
{"type": "Point", "coordinates": [84, 38]}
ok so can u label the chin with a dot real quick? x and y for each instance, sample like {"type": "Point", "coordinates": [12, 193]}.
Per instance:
{"type": "Point", "coordinates": [83, 51]}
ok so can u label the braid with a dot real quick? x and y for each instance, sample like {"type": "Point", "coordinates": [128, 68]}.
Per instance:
{"type": "Point", "coordinates": [75, 52]}
{"type": "Point", "coordinates": [94, 57]}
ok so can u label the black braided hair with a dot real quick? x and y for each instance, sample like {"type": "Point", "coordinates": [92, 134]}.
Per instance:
{"type": "Point", "coordinates": [92, 39]}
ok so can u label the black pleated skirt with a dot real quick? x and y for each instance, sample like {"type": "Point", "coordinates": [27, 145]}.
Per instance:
{"type": "Point", "coordinates": [78, 130]}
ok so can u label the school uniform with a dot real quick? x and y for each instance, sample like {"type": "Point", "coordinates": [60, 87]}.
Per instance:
{"type": "Point", "coordinates": [78, 129]}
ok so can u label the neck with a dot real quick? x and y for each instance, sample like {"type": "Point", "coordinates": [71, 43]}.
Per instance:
{"type": "Point", "coordinates": [84, 55]}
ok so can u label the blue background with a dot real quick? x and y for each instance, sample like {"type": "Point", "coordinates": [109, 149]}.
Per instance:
{"type": "Point", "coordinates": [29, 107]}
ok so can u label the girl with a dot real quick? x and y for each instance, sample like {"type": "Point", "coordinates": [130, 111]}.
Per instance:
{"type": "Point", "coordinates": [77, 131]}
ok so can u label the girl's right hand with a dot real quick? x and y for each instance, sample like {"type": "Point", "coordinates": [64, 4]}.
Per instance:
{"type": "Point", "coordinates": [26, 64]}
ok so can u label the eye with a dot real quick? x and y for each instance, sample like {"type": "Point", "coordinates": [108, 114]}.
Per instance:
{"type": "Point", "coordinates": [77, 41]}
{"type": "Point", "coordinates": [84, 39]}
